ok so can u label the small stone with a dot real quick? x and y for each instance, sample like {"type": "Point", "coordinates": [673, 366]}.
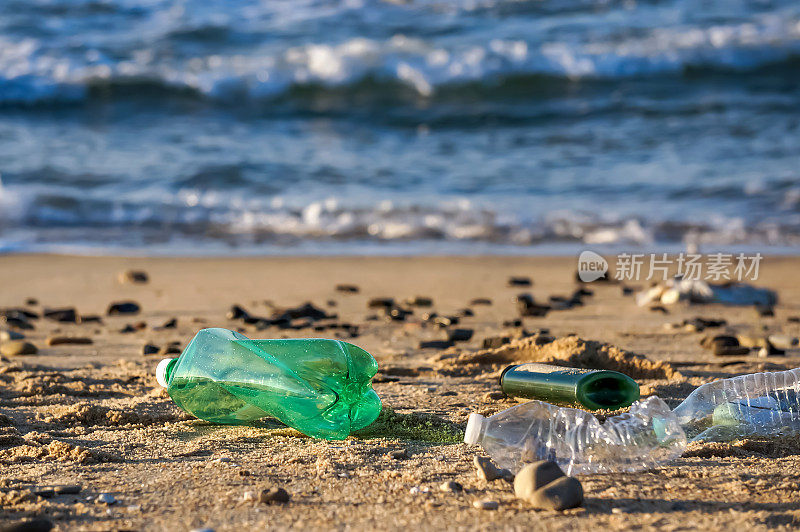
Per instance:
{"type": "Point", "coordinates": [123, 308]}
{"type": "Point", "coordinates": [45, 493]}
{"type": "Point", "coordinates": [419, 301]}
{"type": "Point", "coordinates": [250, 496]}
{"type": "Point", "coordinates": [535, 476]}
{"type": "Point", "coordinates": [17, 348]}
{"type": "Point", "coordinates": [400, 454]}
{"type": "Point", "coordinates": [106, 498]}
{"type": "Point", "coordinates": [451, 486]}
{"type": "Point", "coordinates": [31, 301]}
{"type": "Point", "coordinates": [223, 459]}
{"type": "Point", "coordinates": [527, 306]}
{"type": "Point", "coordinates": [348, 288]}
{"type": "Point", "coordinates": [150, 349]}
{"type": "Point", "coordinates": [519, 281]}
{"type": "Point", "coordinates": [274, 495]}
{"type": "Point", "coordinates": [459, 335]}
{"type": "Point", "coordinates": [480, 301]}
{"type": "Point", "coordinates": [561, 494]}
{"type": "Point", "coordinates": [68, 340]}
{"type": "Point", "coordinates": [783, 341]}
{"type": "Point", "coordinates": [494, 342]}
{"type": "Point", "coordinates": [62, 315]}
{"type": "Point", "coordinates": [128, 329]}
{"type": "Point", "coordinates": [770, 350]}
{"type": "Point", "coordinates": [6, 336]}
{"type": "Point", "coordinates": [172, 348]}
{"type": "Point", "coordinates": [485, 469]}
{"type": "Point", "coordinates": [764, 312]}
{"type": "Point", "coordinates": [486, 504]}
{"type": "Point", "coordinates": [133, 277]}
{"type": "Point", "coordinates": [658, 308]}
{"type": "Point", "coordinates": [70, 489]}
{"type": "Point", "coordinates": [381, 302]}
{"type": "Point", "coordinates": [466, 312]}
{"type": "Point", "coordinates": [435, 344]}
{"type": "Point", "coordinates": [38, 524]}
{"type": "Point", "coordinates": [170, 324]}
{"type": "Point", "coordinates": [727, 351]}
{"type": "Point", "coordinates": [493, 396]}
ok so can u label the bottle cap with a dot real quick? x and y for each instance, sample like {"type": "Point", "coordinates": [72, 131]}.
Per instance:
{"type": "Point", "coordinates": [474, 428]}
{"type": "Point", "coordinates": [161, 372]}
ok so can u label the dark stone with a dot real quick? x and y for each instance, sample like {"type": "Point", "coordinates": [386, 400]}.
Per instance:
{"type": "Point", "coordinates": [400, 454]}
{"type": "Point", "coordinates": [720, 340]}
{"type": "Point", "coordinates": [380, 302]}
{"type": "Point", "coordinates": [38, 524]}
{"type": "Point", "coordinates": [91, 318]}
{"type": "Point", "coordinates": [170, 324]}
{"type": "Point", "coordinates": [793, 319]}
{"type": "Point", "coordinates": [274, 495]}
{"type": "Point", "coordinates": [459, 335]}
{"type": "Point", "coordinates": [764, 312]}
{"type": "Point", "coordinates": [519, 281]}
{"type": "Point", "coordinates": [134, 277]}
{"type": "Point", "coordinates": [237, 313]}
{"type": "Point", "coordinates": [70, 489]}
{"type": "Point", "coordinates": [513, 323]}
{"type": "Point", "coordinates": [419, 301]}
{"type": "Point", "coordinates": [347, 288]}
{"type": "Point", "coordinates": [123, 308]}
{"type": "Point", "coordinates": [18, 323]}
{"type": "Point", "coordinates": [62, 315]}
{"type": "Point", "coordinates": [20, 313]}
{"type": "Point", "coordinates": [31, 301]}
{"type": "Point", "coordinates": [306, 310]}
{"type": "Point", "coordinates": [494, 342]}
{"type": "Point", "coordinates": [528, 307]}
{"type": "Point", "coordinates": [480, 301]}
{"type": "Point", "coordinates": [466, 312]}
{"type": "Point", "coordinates": [150, 349]}
{"type": "Point", "coordinates": [127, 329]}
{"type": "Point", "coordinates": [627, 290]}
{"type": "Point", "coordinates": [45, 493]}
{"type": "Point", "coordinates": [68, 340]}
{"type": "Point", "coordinates": [658, 308]}
{"type": "Point", "coordinates": [436, 344]}
{"type": "Point", "coordinates": [446, 321]}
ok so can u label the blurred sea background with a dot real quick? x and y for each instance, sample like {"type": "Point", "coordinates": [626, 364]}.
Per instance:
{"type": "Point", "coordinates": [428, 126]}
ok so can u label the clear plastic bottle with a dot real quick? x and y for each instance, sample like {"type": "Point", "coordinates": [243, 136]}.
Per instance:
{"type": "Point", "coordinates": [323, 388]}
{"type": "Point", "coordinates": [643, 438]}
{"type": "Point", "coordinates": [758, 404]}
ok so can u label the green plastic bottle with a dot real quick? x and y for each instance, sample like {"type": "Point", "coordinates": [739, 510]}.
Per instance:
{"type": "Point", "coordinates": [323, 388]}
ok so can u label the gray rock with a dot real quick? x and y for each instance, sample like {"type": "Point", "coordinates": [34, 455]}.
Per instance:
{"type": "Point", "coordinates": [399, 454]}
{"type": "Point", "coordinates": [70, 489]}
{"type": "Point", "coordinates": [486, 504]}
{"type": "Point", "coordinates": [561, 494]}
{"type": "Point", "coordinates": [459, 335]}
{"type": "Point", "coordinates": [62, 315]}
{"type": "Point", "coordinates": [123, 308]}
{"type": "Point", "coordinates": [783, 341]}
{"type": "Point", "coordinates": [150, 349]}
{"type": "Point", "coordinates": [17, 347]}
{"type": "Point", "coordinates": [535, 476]}
{"type": "Point", "coordinates": [106, 498]}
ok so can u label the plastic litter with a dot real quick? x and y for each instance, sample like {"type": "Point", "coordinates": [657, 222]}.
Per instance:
{"type": "Point", "coordinates": [758, 404]}
{"type": "Point", "coordinates": [646, 436]}
{"type": "Point", "coordinates": [697, 291]}
{"type": "Point", "coordinates": [323, 388]}
{"type": "Point", "coordinates": [590, 388]}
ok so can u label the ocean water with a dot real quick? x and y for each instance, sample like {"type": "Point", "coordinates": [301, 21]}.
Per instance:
{"type": "Point", "coordinates": [419, 126]}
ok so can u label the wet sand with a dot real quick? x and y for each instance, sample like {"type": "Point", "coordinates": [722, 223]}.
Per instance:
{"type": "Point", "coordinates": [93, 414]}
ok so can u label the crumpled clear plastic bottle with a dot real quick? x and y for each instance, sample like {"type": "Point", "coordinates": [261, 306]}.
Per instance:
{"type": "Point", "coordinates": [759, 404]}
{"type": "Point", "coordinates": [642, 438]}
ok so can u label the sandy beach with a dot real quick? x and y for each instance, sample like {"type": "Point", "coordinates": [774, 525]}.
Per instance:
{"type": "Point", "coordinates": [93, 415]}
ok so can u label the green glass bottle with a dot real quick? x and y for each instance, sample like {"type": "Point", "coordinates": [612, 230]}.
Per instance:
{"type": "Point", "coordinates": [323, 388]}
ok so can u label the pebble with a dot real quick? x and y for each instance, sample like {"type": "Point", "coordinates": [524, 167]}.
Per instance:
{"type": "Point", "coordinates": [68, 340]}
{"type": "Point", "coordinates": [435, 344]}
{"type": "Point", "coordinates": [62, 315]}
{"type": "Point", "coordinates": [535, 476]}
{"type": "Point", "coordinates": [486, 504]}
{"type": "Point", "coordinates": [450, 486]}
{"type": "Point", "coordinates": [381, 302]}
{"type": "Point", "coordinates": [170, 324]}
{"type": "Point", "coordinates": [493, 396]}
{"type": "Point", "coordinates": [172, 348]}
{"type": "Point", "coordinates": [348, 288]}
{"type": "Point", "coordinates": [561, 494]}
{"type": "Point", "coordinates": [399, 454]}
{"type": "Point", "coordinates": [150, 349]}
{"type": "Point", "coordinates": [769, 351]}
{"type": "Point", "coordinates": [123, 307]}
{"type": "Point", "coordinates": [106, 498]}
{"type": "Point", "coordinates": [519, 281]}
{"type": "Point", "coordinates": [31, 301]}
{"type": "Point", "coordinates": [480, 301]}
{"type": "Point", "coordinates": [486, 470]}
{"type": "Point", "coordinates": [16, 348]}
{"type": "Point", "coordinates": [419, 301]}
{"type": "Point", "coordinates": [18, 323]}
{"type": "Point", "coordinates": [783, 341]}
{"type": "Point", "coordinates": [70, 489]}
{"type": "Point", "coordinates": [38, 524]}
{"type": "Point", "coordinates": [493, 342]}
{"type": "Point", "coordinates": [249, 496]}
{"type": "Point", "coordinates": [6, 336]}
{"type": "Point", "coordinates": [527, 306]}
{"type": "Point", "coordinates": [274, 495]}
{"type": "Point", "coordinates": [133, 277]}
{"type": "Point", "coordinates": [459, 335]}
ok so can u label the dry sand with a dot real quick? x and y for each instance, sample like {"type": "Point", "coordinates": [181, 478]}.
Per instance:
{"type": "Point", "coordinates": [93, 414]}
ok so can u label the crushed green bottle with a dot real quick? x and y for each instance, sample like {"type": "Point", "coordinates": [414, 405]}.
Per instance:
{"type": "Point", "coordinates": [323, 388]}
